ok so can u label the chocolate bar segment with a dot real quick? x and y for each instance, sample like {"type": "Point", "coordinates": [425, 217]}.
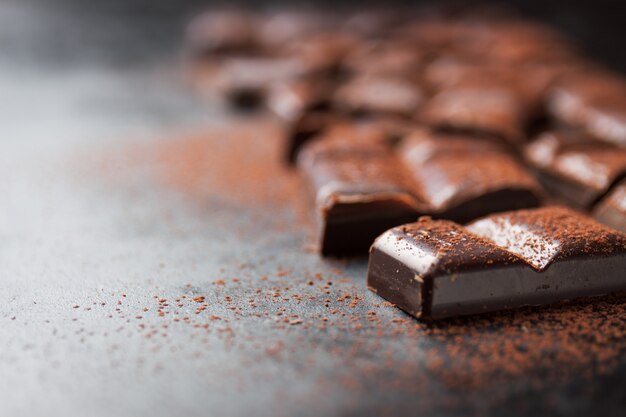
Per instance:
{"type": "Point", "coordinates": [575, 168]}
{"type": "Point", "coordinates": [322, 122]}
{"type": "Point", "coordinates": [594, 101]}
{"type": "Point", "coordinates": [291, 99]}
{"type": "Point", "coordinates": [479, 107]}
{"type": "Point", "coordinates": [462, 178]}
{"type": "Point", "coordinates": [384, 58]}
{"type": "Point", "coordinates": [358, 196]}
{"type": "Point", "coordinates": [304, 127]}
{"type": "Point", "coordinates": [347, 138]}
{"type": "Point", "coordinates": [363, 183]}
{"type": "Point", "coordinates": [379, 95]}
{"type": "Point", "coordinates": [612, 209]}
{"type": "Point", "coordinates": [435, 269]}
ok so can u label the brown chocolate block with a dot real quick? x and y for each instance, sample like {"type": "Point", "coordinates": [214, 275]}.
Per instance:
{"type": "Point", "coordinates": [362, 183]}
{"type": "Point", "coordinates": [463, 178]}
{"type": "Point", "coordinates": [379, 95]}
{"type": "Point", "coordinates": [574, 167]}
{"type": "Point", "coordinates": [321, 122]}
{"type": "Point", "coordinates": [384, 59]}
{"type": "Point", "coordinates": [436, 269]}
{"type": "Point", "coordinates": [612, 209]}
{"type": "Point", "coordinates": [291, 99]}
{"type": "Point", "coordinates": [305, 127]}
{"type": "Point", "coordinates": [358, 196]}
{"type": "Point", "coordinates": [479, 107]}
{"type": "Point", "coordinates": [594, 101]}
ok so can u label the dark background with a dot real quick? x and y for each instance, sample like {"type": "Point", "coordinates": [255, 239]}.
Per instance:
{"type": "Point", "coordinates": [598, 26]}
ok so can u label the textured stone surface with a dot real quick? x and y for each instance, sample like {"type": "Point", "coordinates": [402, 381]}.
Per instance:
{"type": "Point", "coordinates": [96, 221]}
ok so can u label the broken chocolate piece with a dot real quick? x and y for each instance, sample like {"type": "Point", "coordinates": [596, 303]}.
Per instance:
{"type": "Point", "coordinates": [436, 269]}
{"type": "Point", "coordinates": [305, 127]}
{"type": "Point", "coordinates": [594, 101]}
{"type": "Point", "coordinates": [612, 209]}
{"type": "Point", "coordinates": [363, 183]}
{"type": "Point", "coordinates": [384, 59]}
{"type": "Point", "coordinates": [464, 178]}
{"type": "Point", "coordinates": [291, 99]}
{"type": "Point", "coordinates": [358, 196]}
{"type": "Point", "coordinates": [379, 95]}
{"type": "Point", "coordinates": [479, 107]}
{"type": "Point", "coordinates": [574, 167]}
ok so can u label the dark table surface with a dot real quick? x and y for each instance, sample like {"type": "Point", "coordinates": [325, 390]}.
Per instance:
{"type": "Point", "coordinates": [156, 260]}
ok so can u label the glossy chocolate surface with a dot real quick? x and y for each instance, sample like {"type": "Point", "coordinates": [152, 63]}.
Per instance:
{"type": "Point", "coordinates": [478, 107]}
{"type": "Point", "coordinates": [428, 174]}
{"type": "Point", "coordinates": [379, 95]}
{"type": "Point", "coordinates": [574, 167]}
{"type": "Point", "coordinates": [612, 209]}
{"type": "Point", "coordinates": [594, 101]}
{"type": "Point", "coordinates": [436, 269]}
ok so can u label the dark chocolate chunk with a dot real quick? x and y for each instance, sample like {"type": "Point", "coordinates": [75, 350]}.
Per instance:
{"type": "Point", "coordinates": [436, 269]}
{"type": "Point", "coordinates": [363, 184]}
{"type": "Point", "coordinates": [305, 127]}
{"type": "Point", "coordinates": [463, 178]}
{"type": "Point", "coordinates": [574, 167]}
{"type": "Point", "coordinates": [379, 95]}
{"type": "Point", "coordinates": [516, 41]}
{"type": "Point", "coordinates": [594, 101]}
{"type": "Point", "coordinates": [318, 122]}
{"type": "Point", "coordinates": [612, 209]}
{"type": "Point", "coordinates": [530, 80]}
{"type": "Point", "coordinates": [479, 107]}
{"type": "Point", "coordinates": [291, 99]}
{"type": "Point", "coordinates": [384, 59]}
{"type": "Point", "coordinates": [358, 196]}
{"type": "Point", "coordinates": [345, 139]}
{"type": "Point", "coordinates": [322, 53]}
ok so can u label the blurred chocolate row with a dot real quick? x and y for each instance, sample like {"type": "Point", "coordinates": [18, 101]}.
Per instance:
{"type": "Point", "coordinates": [450, 113]}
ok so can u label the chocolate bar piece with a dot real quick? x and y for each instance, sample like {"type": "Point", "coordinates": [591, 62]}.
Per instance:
{"type": "Point", "coordinates": [384, 58]}
{"type": "Point", "coordinates": [612, 209]}
{"type": "Point", "coordinates": [362, 184]}
{"type": "Point", "coordinates": [304, 127]}
{"type": "Point", "coordinates": [345, 139]}
{"type": "Point", "coordinates": [516, 41]}
{"type": "Point", "coordinates": [322, 53]}
{"type": "Point", "coordinates": [321, 120]}
{"type": "Point", "coordinates": [462, 178]}
{"type": "Point", "coordinates": [529, 79]}
{"type": "Point", "coordinates": [479, 107]}
{"type": "Point", "coordinates": [358, 196]}
{"type": "Point", "coordinates": [592, 100]}
{"type": "Point", "coordinates": [435, 269]}
{"type": "Point", "coordinates": [574, 167]}
{"type": "Point", "coordinates": [379, 95]}
{"type": "Point", "coordinates": [291, 99]}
